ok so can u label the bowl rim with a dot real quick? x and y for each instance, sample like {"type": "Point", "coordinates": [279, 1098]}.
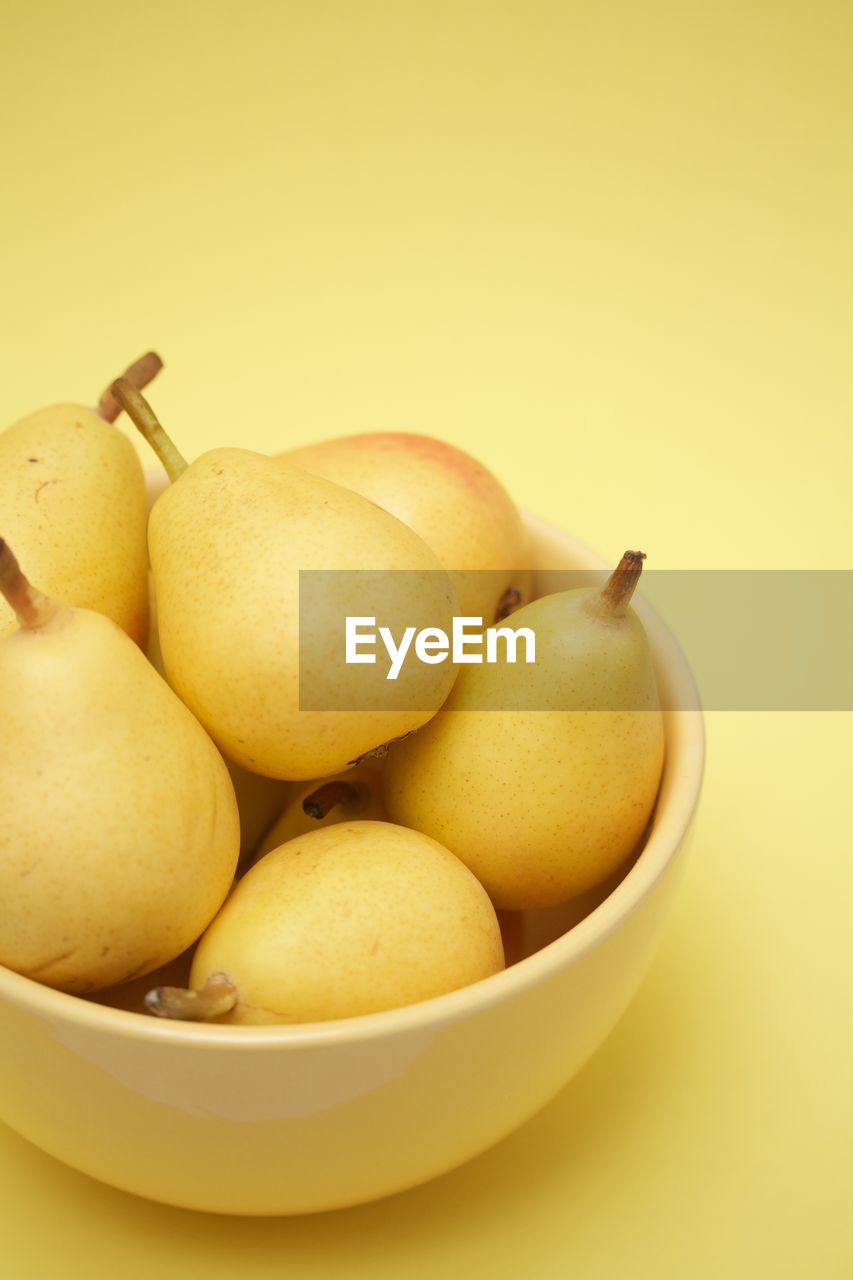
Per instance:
{"type": "Point", "coordinates": [429, 1015]}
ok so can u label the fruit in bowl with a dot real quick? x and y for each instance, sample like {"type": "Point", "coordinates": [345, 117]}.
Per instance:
{"type": "Point", "coordinates": [106, 871]}
{"type": "Point", "coordinates": [229, 540]}
{"type": "Point", "coordinates": [355, 919]}
{"type": "Point", "coordinates": [562, 763]}
{"type": "Point", "coordinates": [56, 463]}
{"type": "Point", "coordinates": [276, 1117]}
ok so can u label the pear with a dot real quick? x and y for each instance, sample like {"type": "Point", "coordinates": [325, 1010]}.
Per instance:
{"type": "Point", "coordinates": [357, 793]}
{"type": "Point", "coordinates": [353, 919]}
{"type": "Point", "coordinates": [229, 541]}
{"type": "Point", "coordinates": [118, 825]}
{"type": "Point", "coordinates": [56, 463]}
{"type": "Point", "coordinates": [259, 804]}
{"type": "Point", "coordinates": [259, 800]}
{"type": "Point", "coordinates": [456, 505]}
{"type": "Point", "coordinates": [542, 778]}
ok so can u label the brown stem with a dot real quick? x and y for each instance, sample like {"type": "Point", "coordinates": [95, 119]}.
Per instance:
{"type": "Point", "coordinates": [139, 410]}
{"type": "Point", "coordinates": [617, 591]}
{"type": "Point", "coordinates": [138, 374]}
{"type": "Point", "coordinates": [216, 997]}
{"type": "Point", "coordinates": [32, 608]}
{"type": "Point", "coordinates": [508, 603]}
{"type": "Point", "coordinates": [327, 797]}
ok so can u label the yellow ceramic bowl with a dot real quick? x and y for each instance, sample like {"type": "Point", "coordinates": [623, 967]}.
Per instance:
{"type": "Point", "coordinates": [278, 1120]}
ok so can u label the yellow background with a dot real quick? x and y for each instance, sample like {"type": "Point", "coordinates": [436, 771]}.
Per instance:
{"type": "Point", "coordinates": [606, 247]}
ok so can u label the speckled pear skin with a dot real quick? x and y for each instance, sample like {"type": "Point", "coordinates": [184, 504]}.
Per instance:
{"type": "Point", "coordinates": [228, 541]}
{"type": "Point", "coordinates": [118, 824]}
{"type": "Point", "coordinates": [72, 503]}
{"type": "Point", "coordinates": [541, 804]}
{"type": "Point", "coordinates": [456, 505]}
{"type": "Point", "coordinates": [260, 800]}
{"type": "Point", "coordinates": [354, 919]}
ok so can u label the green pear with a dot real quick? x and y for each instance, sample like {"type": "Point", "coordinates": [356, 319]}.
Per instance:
{"type": "Point", "coordinates": [353, 919]}
{"type": "Point", "coordinates": [542, 778]}
{"type": "Point", "coordinates": [118, 825]}
{"type": "Point", "coordinates": [228, 541]}
{"type": "Point", "coordinates": [456, 505]}
{"type": "Point", "coordinates": [57, 463]}
{"type": "Point", "coordinates": [355, 794]}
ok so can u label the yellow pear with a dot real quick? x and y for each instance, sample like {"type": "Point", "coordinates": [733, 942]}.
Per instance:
{"type": "Point", "coordinates": [359, 917]}
{"type": "Point", "coordinates": [458, 507]}
{"type": "Point", "coordinates": [118, 824]}
{"type": "Point", "coordinates": [542, 777]}
{"type": "Point", "coordinates": [259, 800]}
{"type": "Point", "coordinates": [230, 541]}
{"type": "Point", "coordinates": [355, 794]}
{"type": "Point", "coordinates": [72, 503]}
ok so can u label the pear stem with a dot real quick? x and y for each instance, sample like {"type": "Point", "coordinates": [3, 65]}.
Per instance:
{"type": "Point", "coordinates": [138, 374]}
{"type": "Point", "coordinates": [327, 797]}
{"type": "Point", "coordinates": [217, 997]}
{"type": "Point", "coordinates": [617, 591]}
{"type": "Point", "coordinates": [32, 608]}
{"type": "Point", "coordinates": [508, 603]}
{"type": "Point", "coordinates": [131, 399]}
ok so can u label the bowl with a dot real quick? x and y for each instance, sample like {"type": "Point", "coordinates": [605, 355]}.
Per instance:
{"type": "Point", "coordinates": [296, 1119]}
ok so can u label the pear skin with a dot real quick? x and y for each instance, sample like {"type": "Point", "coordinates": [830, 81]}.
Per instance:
{"type": "Point", "coordinates": [353, 919]}
{"type": "Point", "coordinates": [259, 803]}
{"type": "Point", "coordinates": [229, 542]}
{"type": "Point", "coordinates": [542, 803]}
{"type": "Point", "coordinates": [259, 800]}
{"type": "Point", "coordinates": [57, 463]}
{"type": "Point", "coordinates": [456, 505]}
{"type": "Point", "coordinates": [118, 824]}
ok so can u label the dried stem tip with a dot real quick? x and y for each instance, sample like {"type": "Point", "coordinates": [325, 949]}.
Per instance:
{"type": "Point", "coordinates": [138, 374]}
{"type": "Point", "coordinates": [217, 997]}
{"type": "Point", "coordinates": [508, 603]}
{"type": "Point", "coordinates": [145, 419]}
{"type": "Point", "coordinates": [326, 797]}
{"type": "Point", "coordinates": [32, 608]}
{"type": "Point", "coordinates": [617, 591]}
